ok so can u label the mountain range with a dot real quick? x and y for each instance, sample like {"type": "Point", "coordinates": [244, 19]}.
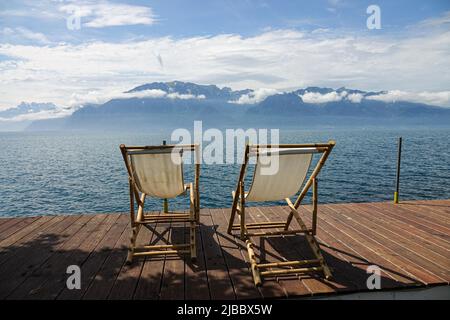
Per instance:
{"type": "Point", "coordinates": [174, 104]}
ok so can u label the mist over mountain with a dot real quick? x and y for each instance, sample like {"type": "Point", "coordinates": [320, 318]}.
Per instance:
{"type": "Point", "coordinates": [164, 105]}
{"type": "Point", "coordinates": [21, 116]}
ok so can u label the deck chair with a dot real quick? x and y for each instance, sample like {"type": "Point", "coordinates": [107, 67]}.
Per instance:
{"type": "Point", "coordinates": [157, 171]}
{"type": "Point", "coordinates": [294, 161]}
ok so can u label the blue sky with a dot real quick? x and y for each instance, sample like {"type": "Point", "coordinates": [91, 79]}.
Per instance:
{"type": "Point", "coordinates": [181, 18]}
{"type": "Point", "coordinates": [276, 45]}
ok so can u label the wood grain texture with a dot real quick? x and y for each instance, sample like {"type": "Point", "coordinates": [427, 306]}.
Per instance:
{"type": "Point", "coordinates": [410, 242]}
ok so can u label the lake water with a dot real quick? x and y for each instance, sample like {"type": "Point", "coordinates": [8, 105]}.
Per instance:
{"type": "Point", "coordinates": [72, 172]}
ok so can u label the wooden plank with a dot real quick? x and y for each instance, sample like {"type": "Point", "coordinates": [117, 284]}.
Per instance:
{"type": "Point", "coordinates": [126, 282]}
{"type": "Point", "coordinates": [425, 213]}
{"type": "Point", "coordinates": [383, 214]}
{"type": "Point", "coordinates": [235, 257]}
{"type": "Point", "coordinates": [398, 216]}
{"type": "Point", "coordinates": [101, 285]}
{"type": "Point", "coordinates": [410, 242]}
{"type": "Point", "coordinates": [31, 255]}
{"type": "Point", "coordinates": [10, 222]}
{"type": "Point", "coordinates": [50, 278]}
{"type": "Point", "coordinates": [13, 226]}
{"type": "Point", "coordinates": [439, 213]}
{"type": "Point", "coordinates": [94, 262]}
{"type": "Point", "coordinates": [358, 256]}
{"type": "Point", "coordinates": [13, 244]}
{"type": "Point", "coordinates": [149, 285]}
{"type": "Point", "coordinates": [390, 271]}
{"type": "Point", "coordinates": [196, 285]}
{"type": "Point", "coordinates": [419, 220]}
{"type": "Point", "coordinates": [4, 220]}
{"type": "Point", "coordinates": [395, 242]}
{"type": "Point", "coordinates": [76, 256]}
{"type": "Point", "coordinates": [440, 209]}
{"type": "Point", "coordinates": [401, 262]}
{"type": "Point", "coordinates": [220, 284]}
{"type": "Point", "coordinates": [430, 244]}
{"type": "Point", "coordinates": [348, 266]}
{"type": "Point", "coordinates": [172, 286]}
{"type": "Point", "coordinates": [438, 206]}
{"type": "Point", "coordinates": [27, 229]}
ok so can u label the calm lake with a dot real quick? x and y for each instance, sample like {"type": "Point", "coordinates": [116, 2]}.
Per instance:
{"type": "Point", "coordinates": [73, 172]}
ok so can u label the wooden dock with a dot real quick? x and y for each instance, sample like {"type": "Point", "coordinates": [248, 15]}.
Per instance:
{"type": "Point", "coordinates": [410, 242]}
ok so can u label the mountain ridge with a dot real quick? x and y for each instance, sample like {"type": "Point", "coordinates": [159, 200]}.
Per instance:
{"type": "Point", "coordinates": [177, 103]}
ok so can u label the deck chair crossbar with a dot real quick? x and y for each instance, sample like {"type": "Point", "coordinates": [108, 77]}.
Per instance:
{"type": "Point", "coordinates": [171, 187]}
{"type": "Point", "coordinates": [262, 229]}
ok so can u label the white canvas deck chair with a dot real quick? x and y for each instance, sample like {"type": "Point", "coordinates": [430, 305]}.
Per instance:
{"type": "Point", "coordinates": [293, 163]}
{"type": "Point", "coordinates": [157, 171]}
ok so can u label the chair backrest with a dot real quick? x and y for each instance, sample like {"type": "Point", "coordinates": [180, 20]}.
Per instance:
{"type": "Point", "coordinates": [158, 172]}
{"type": "Point", "coordinates": [286, 181]}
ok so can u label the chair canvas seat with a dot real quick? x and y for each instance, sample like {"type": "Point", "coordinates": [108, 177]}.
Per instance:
{"type": "Point", "coordinates": [158, 175]}
{"type": "Point", "coordinates": [285, 182]}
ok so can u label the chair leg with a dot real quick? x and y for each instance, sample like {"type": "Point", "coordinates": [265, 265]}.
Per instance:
{"type": "Point", "coordinates": [233, 213]}
{"type": "Point", "coordinates": [314, 216]}
{"type": "Point", "coordinates": [242, 212]}
{"type": "Point", "coordinates": [192, 223]}
{"type": "Point", "coordinates": [193, 244]}
{"type": "Point", "coordinates": [134, 233]}
{"type": "Point", "coordinates": [253, 263]}
{"type": "Point", "coordinates": [288, 221]}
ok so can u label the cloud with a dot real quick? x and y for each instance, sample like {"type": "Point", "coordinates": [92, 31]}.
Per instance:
{"type": "Point", "coordinates": [21, 33]}
{"type": "Point", "coordinates": [184, 96]}
{"type": "Point", "coordinates": [59, 112]}
{"type": "Point", "coordinates": [438, 98]}
{"type": "Point", "coordinates": [107, 14]}
{"type": "Point", "coordinates": [444, 19]}
{"type": "Point", "coordinates": [255, 96]}
{"type": "Point", "coordinates": [99, 97]}
{"type": "Point", "coordinates": [279, 59]}
{"type": "Point", "coordinates": [355, 97]}
{"type": "Point", "coordinates": [441, 98]}
{"type": "Point", "coordinates": [317, 97]}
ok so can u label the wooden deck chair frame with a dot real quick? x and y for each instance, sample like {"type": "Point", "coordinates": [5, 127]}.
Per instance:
{"type": "Point", "coordinates": [142, 218]}
{"type": "Point", "coordinates": [246, 230]}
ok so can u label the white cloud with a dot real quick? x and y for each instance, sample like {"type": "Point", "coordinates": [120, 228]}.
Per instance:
{"type": "Point", "coordinates": [24, 33]}
{"type": "Point", "coordinates": [278, 59]}
{"type": "Point", "coordinates": [255, 96]}
{"type": "Point", "coordinates": [184, 96]}
{"type": "Point", "coordinates": [107, 14]}
{"type": "Point", "coordinates": [47, 114]}
{"type": "Point", "coordinates": [441, 98]}
{"type": "Point", "coordinates": [437, 21]}
{"type": "Point", "coordinates": [355, 97]}
{"type": "Point", "coordinates": [98, 97]}
{"type": "Point", "coordinates": [317, 97]}
{"type": "Point", "coordinates": [150, 93]}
